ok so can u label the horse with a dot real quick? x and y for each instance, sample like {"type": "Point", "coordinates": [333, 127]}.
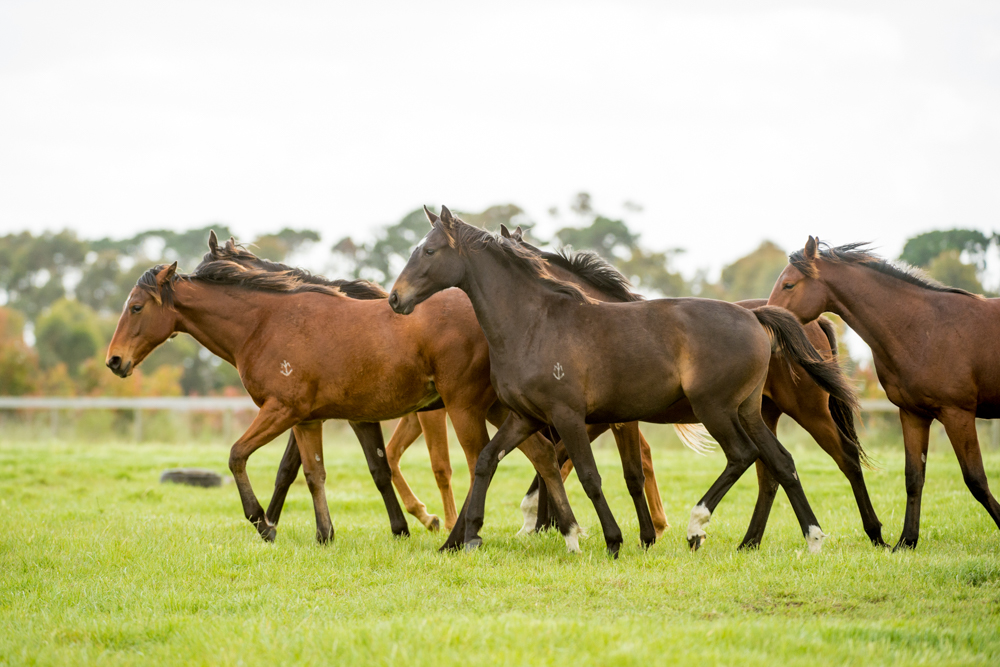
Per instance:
{"type": "Point", "coordinates": [558, 358]}
{"type": "Point", "coordinates": [310, 349]}
{"type": "Point", "coordinates": [787, 391]}
{"type": "Point", "coordinates": [930, 343]}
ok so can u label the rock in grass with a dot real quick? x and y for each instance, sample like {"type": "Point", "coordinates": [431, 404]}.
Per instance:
{"type": "Point", "coordinates": [191, 477]}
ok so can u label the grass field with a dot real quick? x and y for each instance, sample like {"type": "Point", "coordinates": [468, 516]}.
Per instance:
{"type": "Point", "coordinates": [101, 564]}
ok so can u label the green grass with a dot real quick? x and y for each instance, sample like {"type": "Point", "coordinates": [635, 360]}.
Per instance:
{"type": "Point", "coordinates": [100, 564]}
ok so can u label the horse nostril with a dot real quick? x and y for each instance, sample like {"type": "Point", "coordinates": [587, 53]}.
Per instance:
{"type": "Point", "coordinates": [114, 363]}
{"type": "Point", "coordinates": [393, 299]}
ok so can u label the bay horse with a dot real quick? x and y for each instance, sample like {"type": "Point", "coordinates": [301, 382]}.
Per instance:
{"type": "Point", "coordinates": [788, 390]}
{"type": "Point", "coordinates": [932, 346]}
{"type": "Point", "coordinates": [310, 349]}
{"type": "Point", "coordinates": [561, 359]}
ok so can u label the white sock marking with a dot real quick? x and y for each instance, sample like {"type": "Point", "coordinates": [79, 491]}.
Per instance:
{"type": "Point", "coordinates": [814, 539]}
{"type": "Point", "coordinates": [529, 508]}
{"type": "Point", "coordinates": [573, 539]}
{"type": "Point", "coordinates": [700, 517]}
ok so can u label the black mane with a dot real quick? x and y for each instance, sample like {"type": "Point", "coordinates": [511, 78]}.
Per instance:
{"type": "Point", "coordinates": [474, 239]}
{"type": "Point", "coordinates": [595, 270]}
{"type": "Point", "coordinates": [232, 264]}
{"type": "Point", "coordinates": [859, 253]}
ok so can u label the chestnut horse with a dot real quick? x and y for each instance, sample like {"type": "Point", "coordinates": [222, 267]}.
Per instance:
{"type": "Point", "coordinates": [932, 347]}
{"type": "Point", "coordinates": [309, 349]}
{"type": "Point", "coordinates": [788, 390]}
{"type": "Point", "coordinates": [560, 359]}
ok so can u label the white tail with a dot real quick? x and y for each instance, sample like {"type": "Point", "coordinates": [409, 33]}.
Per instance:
{"type": "Point", "coordinates": [695, 437]}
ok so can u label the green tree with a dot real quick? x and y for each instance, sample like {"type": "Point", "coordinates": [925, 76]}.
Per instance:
{"type": "Point", "coordinates": [33, 268]}
{"type": "Point", "coordinates": [19, 372]}
{"type": "Point", "coordinates": [949, 269]}
{"type": "Point", "coordinates": [753, 276]}
{"type": "Point", "coordinates": [70, 333]}
{"type": "Point", "coordinates": [277, 247]}
{"type": "Point", "coordinates": [612, 239]}
{"type": "Point", "coordinates": [921, 249]}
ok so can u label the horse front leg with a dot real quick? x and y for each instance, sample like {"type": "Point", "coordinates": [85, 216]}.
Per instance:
{"type": "Point", "coordinates": [916, 431]}
{"type": "Point", "coordinates": [309, 437]}
{"type": "Point", "coordinates": [434, 425]}
{"type": "Point", "coordinates": [288, 470]}
{"type": "Point", "coordinates": [370, 436]}
{"type": "Point", "coordinates": [270, 422]}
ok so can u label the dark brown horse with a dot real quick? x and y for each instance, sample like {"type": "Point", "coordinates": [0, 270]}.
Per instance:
{"type": "Point", "coordinates": [932, 345]}
{"type": "Point", "coordinates": [308, 349]}
{"type": "Point", "coordinates": [560, 359]}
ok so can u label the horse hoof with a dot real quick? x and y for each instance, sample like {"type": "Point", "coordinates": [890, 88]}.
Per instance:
{"type": "Point", "coordinates": [904, 543]}
{"type": "Point", "coordinates": [449, 546]}
{"type": "Point", "coordinates": [695, 541]}
{"type": "Point", "coordinates": [267, 532]}
{"type": "Point", "coordinates": [474, 544]}
{"type": "Point", "coordinates": [434, 525]}
{"type": "Point", "coordinates": [324, 539]}
{"type": "Point", "coordinates": [613, 549]}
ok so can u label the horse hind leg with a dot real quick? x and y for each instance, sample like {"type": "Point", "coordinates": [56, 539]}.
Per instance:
{"type": "Point", "coordinates": [434, 425]}
{"type": "Point", "coordinates": [370, 436]}
{"type": "Point", "coordinates": [630, 449]}
{"type": "Point", "coordinates": [723, 424]}
{"type": "Point", "coordinates": [767, 485]}
{"type": "Point", "coordinates": [660, 523]}
{"type": "Point", "coordinates": [404, 435]}
{"type": "Point", "coordinates": [781, 464]}
{"type": "Point", "coordinates": [961, 429]}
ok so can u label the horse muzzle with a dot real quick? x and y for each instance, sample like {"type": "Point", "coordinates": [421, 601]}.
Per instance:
{"type": "Point", "coordinates": [400, 305]}
{"type": "Point", "coordinates": [122, 370]}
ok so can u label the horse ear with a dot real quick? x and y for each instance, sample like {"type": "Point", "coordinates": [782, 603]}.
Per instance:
{"type": "Point", "coordinates": [812, 249]}
{"type": "Point", "coordinates": [431, 218]}
{"type": "Point", "coordinates": [446, 217]}
{"type": "Point", "coordinates": [518, 234]}
{"type": "Point", "coordinates": [165, 274]}
{"type": "Point", "coordinates": [213, 242]}
{"type": "Point", "coordinates": [504, 232]}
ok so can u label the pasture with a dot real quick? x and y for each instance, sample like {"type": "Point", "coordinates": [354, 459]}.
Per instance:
{"type": "Point", "coordinates": [101, 564]}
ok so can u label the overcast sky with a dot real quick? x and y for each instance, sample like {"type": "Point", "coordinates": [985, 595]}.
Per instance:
{"type": "Point", "coordinates": [853, 121]}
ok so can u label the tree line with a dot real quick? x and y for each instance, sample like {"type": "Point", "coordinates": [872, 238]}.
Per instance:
{"type": "Point", "coordinates": [60, 295]}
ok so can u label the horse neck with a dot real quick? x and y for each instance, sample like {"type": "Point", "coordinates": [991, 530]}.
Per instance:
{"type": "Point", "coordinates": [503, 318]}
{"type": "Point", "coordinates": [219, 317]}
{"type": "Point", "coordinates": [877, 307]}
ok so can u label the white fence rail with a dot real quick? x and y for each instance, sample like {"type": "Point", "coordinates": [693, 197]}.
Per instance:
{"type": "Point", "coordinates": [229, 405]}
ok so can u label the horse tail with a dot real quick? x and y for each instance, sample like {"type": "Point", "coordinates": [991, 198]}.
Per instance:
{"type": "Point", "coordinates": [843, 417]}
{"type": "Point", "coordinates": [789, 338]}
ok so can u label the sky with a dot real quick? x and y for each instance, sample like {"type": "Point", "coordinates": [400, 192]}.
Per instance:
{"type": "Point", "coordinates": [729, 124]}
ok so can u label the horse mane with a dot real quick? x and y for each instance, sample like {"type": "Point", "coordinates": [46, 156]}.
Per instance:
{"type": "Point", "coordinates": [232, 264]}
{"type": "Point", "coordinates": [474, 239]}
{"type": "Point", "coordinates": [595, 270]}
{"type": "Point", "coordinates": [861, 254]}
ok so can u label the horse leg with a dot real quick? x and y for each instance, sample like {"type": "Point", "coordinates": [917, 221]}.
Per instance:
{"type": "Point", "coordinates": [530, 505]}
{"type": "Point", "coordinates": [767, 485]}
{"type": "Point", "coordinates": [309, 437]}
{"type": "Point", "coordinates": [660, 523]}
{"type": "Point", "coordinates": [740, 453]}
{"type": "Point", "coordinates": [406, 432]}
{"type": "Point", "coordinates": [288, 470]}
{"type": "Point", "coordinates": [630, 450]}
{"type": "Point", "coordinates": [916, 430]}
{"type": "Point", "coordinates": [512, 433]}
{"type": "Point", "coordinates": [782, 466]}
{"type": "Point", "coordinates": [435, 427]}
{"type": "Point", "coordinates": [961, 428]}
{"type": "Point", "coordinates": [370, 436]}
{"type": "Point", "coordinates": [557, 511]}
{"type": "Point", "coordinates": [574, 435]}
{"type": "Point", "coordinates": [847, 455]}
{"type": "Point", "coordinates": [270, 422]}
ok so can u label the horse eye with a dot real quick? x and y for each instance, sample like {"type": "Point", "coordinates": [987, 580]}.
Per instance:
{"type": "Point", "coordinates": [136, 309]}
{"type": "Point", "coordinates": [429, 251]}
{"type": "Point", "coordinates": [789, 285]}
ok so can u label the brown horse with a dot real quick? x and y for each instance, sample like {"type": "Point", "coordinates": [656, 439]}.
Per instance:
{"type": "Point", "coordinates": [932, 349]}
{"type": "Point", "coordinates": [560, 359]}
{"type": "Point", "coordinates": [309, 349]}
